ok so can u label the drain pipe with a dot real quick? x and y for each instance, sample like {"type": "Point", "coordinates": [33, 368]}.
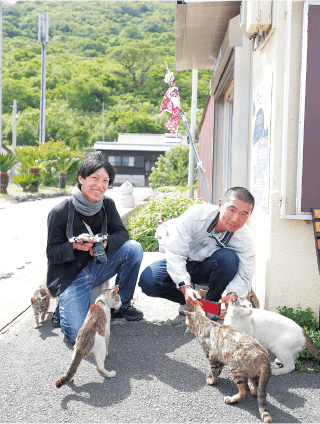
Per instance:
{"type": "Point", "coordinates": [286, 112]}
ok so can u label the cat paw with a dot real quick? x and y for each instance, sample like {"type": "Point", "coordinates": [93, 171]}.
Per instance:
{"type": "Point", "coordinates": [211, 381]}
{"type": "Point", "coordinates": [36, 325]}
{"type": "Point", "coordinates": [228, 399]}
{"type": "Point", "coordinates": [112, 374]}
{"type": "Point", "coordinates": [253, 391]}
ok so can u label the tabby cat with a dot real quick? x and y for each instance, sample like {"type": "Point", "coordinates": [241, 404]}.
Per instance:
{"type": "Point", "coordinates": [94, 335]}
{"type": "Point", "coordinates": [40, 303]}
{"type": "Point", "coordinates": [224, 345]}
{"type": "Point", "coordinates": [280, 334]}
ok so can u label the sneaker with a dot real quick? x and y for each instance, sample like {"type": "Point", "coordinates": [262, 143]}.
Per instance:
{"type": "Point", "coordinates": [130, 313]}
{"type": "Point", "coordinates": [183, 308]}
{"type": "Point", "coordinates": [213, 317]}
{"type": "Point", "coordinates": [55, 321]}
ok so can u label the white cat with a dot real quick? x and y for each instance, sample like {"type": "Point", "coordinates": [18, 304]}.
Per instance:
{"type": "Point", "coordinates": [275, 332]}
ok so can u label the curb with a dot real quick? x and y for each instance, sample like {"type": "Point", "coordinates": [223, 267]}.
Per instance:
{"type": "Point", "coordinates": [32, 197]}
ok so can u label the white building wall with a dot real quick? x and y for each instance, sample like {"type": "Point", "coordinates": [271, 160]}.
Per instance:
{"type": "Point", "coordinates": [287, 271]}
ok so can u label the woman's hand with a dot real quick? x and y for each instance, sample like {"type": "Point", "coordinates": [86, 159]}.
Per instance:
{"type": "Point", "coordinates": [85, 247]}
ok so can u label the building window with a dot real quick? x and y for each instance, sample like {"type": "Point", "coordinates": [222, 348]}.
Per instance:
{"type": "Point", "coordinates": [149, 165]}
{"type": "Point", "coordinates": [128, 161]}
{"type": "Point", "coordinates": [115, 160]}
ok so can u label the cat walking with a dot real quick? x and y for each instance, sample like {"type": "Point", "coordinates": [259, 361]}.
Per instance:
{"type": "Point", "coordinates": [40, 303]}
{"type": "Point", "coordinates": [94, 335]}
{"type": "Point", "coordinates": [280, 334]}
{"type": "Point", "coordinates": [224, 345]}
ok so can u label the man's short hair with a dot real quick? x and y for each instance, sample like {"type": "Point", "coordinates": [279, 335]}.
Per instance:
{"type": "Point", "coordinates": [239, 193]}
{"type": "Point", "coordinates": [93, 162]}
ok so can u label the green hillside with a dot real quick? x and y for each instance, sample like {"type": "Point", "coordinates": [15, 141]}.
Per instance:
{"type": "Point", "coordinates": [110, 52]}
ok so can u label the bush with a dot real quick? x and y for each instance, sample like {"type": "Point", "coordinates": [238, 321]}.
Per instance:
{"type": "Point", "coordinates": [306, 361]}
{"type": "Point", "coordinates": [142, 226]}
{"type": "Point", "coordinates": [171, 169]}
{"type": "Point", "coordinates": [24, 180]}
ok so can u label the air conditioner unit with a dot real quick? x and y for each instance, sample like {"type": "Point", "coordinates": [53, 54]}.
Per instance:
{"type": "Point", "coordinates": [257, 15]}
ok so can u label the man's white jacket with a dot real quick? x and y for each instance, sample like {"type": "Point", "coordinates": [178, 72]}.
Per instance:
{"type": "Point", "coordinates": [193, 238]}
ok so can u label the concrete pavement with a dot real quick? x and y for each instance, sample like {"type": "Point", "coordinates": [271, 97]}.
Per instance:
{"type": "Point", "coordinates": [19, 280]}
{"type": "Point", "coordinates": [161, 371]}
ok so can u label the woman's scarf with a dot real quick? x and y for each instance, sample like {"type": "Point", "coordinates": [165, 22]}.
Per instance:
{"type": "Point", "coordinates": [83, 205]}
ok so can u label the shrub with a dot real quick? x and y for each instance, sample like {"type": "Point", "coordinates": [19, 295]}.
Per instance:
{"type": "Point", "coordinates": [306, 361]}
{"type": "Point", "coordinates": [142, 226]}
{"type": "Point", "coordinates": [24, 180]}
{"type": "Point", "coordinates": [7, 161]}
{"type": "Point", "coordinates": [171, 169]}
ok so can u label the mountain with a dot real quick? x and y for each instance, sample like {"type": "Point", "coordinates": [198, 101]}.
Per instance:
{"type": "Point", "coordinates": [105, 66]}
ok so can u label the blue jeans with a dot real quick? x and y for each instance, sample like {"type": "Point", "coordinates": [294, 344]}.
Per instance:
{"type": "Point", "coordinates": [216, 271]}
{"type": "Point", "coordinates": [74, 302]}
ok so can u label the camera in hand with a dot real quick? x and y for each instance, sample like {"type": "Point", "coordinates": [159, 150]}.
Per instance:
{"type": "Point", "coordinates": [99, 255]}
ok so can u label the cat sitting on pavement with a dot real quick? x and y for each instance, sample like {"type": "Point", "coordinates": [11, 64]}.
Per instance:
{"type": "Point", "coordinates": [281, 335]}
{"type": "Point", "coordinates": [94, 335]}
{"type": "Point", "coordinates": [224, 345]}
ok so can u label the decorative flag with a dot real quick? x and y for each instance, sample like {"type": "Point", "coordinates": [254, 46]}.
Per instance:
{"type": "Point", "coordinates": [171, 103]}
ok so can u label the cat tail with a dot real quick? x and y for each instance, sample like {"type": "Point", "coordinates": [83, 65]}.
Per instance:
{"type": "Point", "coordinates": [265, 373]}
{"type": "Point", "coordinates": [314, 349]}
{"type": "Point", "coordinates": [68, 376]}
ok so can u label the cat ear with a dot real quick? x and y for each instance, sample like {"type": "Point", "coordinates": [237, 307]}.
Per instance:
{"type": "Point", "coordinates": [186, 313]}
{"type": "Point", "coordinates": [46, 297]}
{"type": "Point", "coordinates": [32, 300]}
{"type": "Point", "coordinates": [115, 289]}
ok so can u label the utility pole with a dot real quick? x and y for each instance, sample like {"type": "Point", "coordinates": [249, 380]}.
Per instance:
{"type": "Point", "coordinates": [43, 37]}
{"type": "Point", "coordinates": [103, 121]}
{"type": "Point", "coordinates": [193, 124]}
{"type": "Point", "coordinates": [14, 125]}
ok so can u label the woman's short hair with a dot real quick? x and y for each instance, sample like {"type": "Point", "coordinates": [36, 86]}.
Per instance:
{"type": "Point", "coordinates": [93, 162]}
{"type": "Point", "coordinates": [239, 193]}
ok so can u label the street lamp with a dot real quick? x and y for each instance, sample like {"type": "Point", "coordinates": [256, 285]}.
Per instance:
{"type": "Point", "coordinates": [8, 3]}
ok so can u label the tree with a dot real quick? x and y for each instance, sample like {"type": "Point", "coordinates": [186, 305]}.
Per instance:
{"type": "Point", "coordinates": [137, 59]}
{"type": "Point", "coordinates": [171, 169]}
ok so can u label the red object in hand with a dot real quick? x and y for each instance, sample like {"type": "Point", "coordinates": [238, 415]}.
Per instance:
{"type": "Point", "coordinates": [211, 307]}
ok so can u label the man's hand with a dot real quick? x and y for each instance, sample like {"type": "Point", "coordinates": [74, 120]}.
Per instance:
{"type": "Point", "coordinates": [226, 300]}
{"type": "Point", "coordinates": [190, 295]}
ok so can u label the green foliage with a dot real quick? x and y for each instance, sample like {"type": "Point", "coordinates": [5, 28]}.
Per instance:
{"type": "Point", "coordinates": [98, 52]}
{"type": "Point", "coordinates": [172, 168]}
{"type": "Point", "coordinates": [302, 318]}
{"type": "Point", "coordinates": [142, 226]}
{"type": "Point", "coordinates": [306, 361]}
{"type": "Point", "coordinates": [24, 180]}
{"type": "Point", "coordinates": [29, 157]}
{"type": "Point", "coordinates": [7, 161]}
{"type": "Point", "coordinates": [51, 158]}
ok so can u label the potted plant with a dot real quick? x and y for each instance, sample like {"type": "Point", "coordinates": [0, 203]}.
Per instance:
{"type": "Point", "coordinates": [25, 181]}
{"type": "Point", "coordinates": [6, 162]}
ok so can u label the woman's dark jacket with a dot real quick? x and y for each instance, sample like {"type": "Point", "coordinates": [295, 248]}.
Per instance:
{"type": "Point", "coordinates": [64, 263]}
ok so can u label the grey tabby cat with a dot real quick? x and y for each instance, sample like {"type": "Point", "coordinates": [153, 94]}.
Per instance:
{"type": "Point", "coordinates": [224, 345]}
{"type": "Point", "coordinates": [94, 335]}
{"type": "Point", "coordinates": [40, 303]}
{"type": "Point", "coordinates": [281, 335]}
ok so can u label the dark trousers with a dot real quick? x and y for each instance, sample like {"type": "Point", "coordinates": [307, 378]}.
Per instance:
{"type": "Point", "coordinates": [216, 271]}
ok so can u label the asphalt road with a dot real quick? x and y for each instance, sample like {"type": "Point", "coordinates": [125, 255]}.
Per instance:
{"type": "Point", "coordinates": [161, 373]}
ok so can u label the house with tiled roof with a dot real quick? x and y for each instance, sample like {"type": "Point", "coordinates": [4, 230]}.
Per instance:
{"type": "Point", "coordinates": [134, 155]}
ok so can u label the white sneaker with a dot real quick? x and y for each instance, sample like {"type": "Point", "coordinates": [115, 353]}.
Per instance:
{"type": "Point", "coordinates": [184, 307]}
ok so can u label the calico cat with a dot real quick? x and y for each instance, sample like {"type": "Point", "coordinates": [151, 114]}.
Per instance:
{"type": "Point", "coordinates": [280, 334]}
{"type": "Point", "coordinates": [94, 335]}
{"type": "Point", "coordinates": [40, 303]}
{"type": "Point", "coordinates": [224, 345]}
